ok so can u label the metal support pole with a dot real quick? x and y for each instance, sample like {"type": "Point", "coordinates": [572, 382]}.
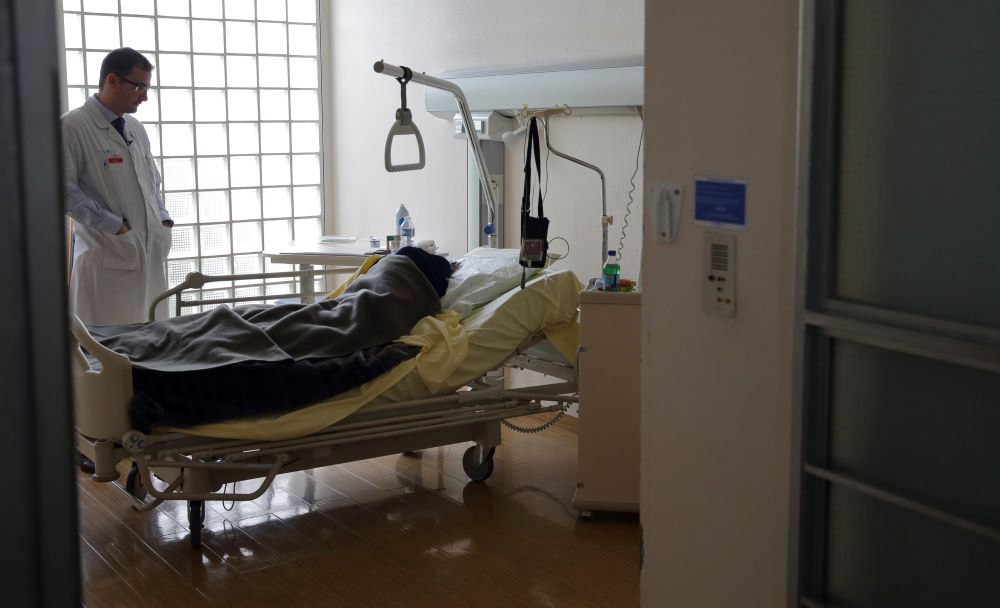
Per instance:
{"type": "Point", "coordinates": [429, 81]}
{"type": "Point", "coordinates": [605, 220]}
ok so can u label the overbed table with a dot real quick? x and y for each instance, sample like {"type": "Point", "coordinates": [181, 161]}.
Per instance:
{"type": "Point", "coordinates": [345, 257]}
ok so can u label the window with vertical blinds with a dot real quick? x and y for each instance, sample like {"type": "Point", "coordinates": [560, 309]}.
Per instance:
{"type": "Point", "coordinates": [234, 121]}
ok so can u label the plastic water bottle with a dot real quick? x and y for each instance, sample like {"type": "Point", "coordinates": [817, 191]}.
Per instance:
{"type": "Point", "coordinates": [612, 271]}
{"type": "Point", "coordinates": [406, 232]}
{"type": "Point", "coordinates": [400, 214]}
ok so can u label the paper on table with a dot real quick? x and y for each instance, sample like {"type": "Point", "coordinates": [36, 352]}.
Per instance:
{"type": "Point", "coordinates": [338, 238]}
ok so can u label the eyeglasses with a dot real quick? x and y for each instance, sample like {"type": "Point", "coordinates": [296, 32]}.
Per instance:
{"type": "Point", "coordinates": [139, 87]}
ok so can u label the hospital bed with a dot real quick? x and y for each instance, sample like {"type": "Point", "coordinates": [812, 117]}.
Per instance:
{"type": "Point", "coordinates": [452, 391]}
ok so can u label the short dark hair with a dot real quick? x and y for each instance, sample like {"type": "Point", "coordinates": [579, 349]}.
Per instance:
{"type": "Point", "coordinates": [436, 268]}
{"type": "Point", "coordinates": [121, 61]}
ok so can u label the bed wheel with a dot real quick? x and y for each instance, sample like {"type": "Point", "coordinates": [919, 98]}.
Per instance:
{"type": "Point", "coordinates": [196, 517]}
{"type": "Point", "coordinates": [478, 471]}
{"type": "Point", "coordinates": [133, 483]}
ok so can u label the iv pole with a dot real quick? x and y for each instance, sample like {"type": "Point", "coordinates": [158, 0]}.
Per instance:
{"type": "Point", "coordinates": [485, 179]}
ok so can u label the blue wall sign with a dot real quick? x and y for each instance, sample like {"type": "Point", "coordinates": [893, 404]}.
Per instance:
{"type": "Point", "coordinates": [720, 203]}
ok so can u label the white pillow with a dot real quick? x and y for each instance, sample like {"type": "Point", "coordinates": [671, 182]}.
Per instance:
{"type": "Point", "coordinates": [484, 275]}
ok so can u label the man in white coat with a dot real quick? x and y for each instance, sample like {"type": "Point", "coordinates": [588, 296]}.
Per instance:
{"type": "Point", "coordinates": [112, 192]}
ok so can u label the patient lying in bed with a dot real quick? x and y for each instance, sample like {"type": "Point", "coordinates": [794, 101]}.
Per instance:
{"type": "Point", "coordinates": [261, 360]}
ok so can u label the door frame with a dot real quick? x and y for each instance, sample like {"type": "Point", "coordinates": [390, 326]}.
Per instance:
{"type": "Point", "coordinates": [39, 529]}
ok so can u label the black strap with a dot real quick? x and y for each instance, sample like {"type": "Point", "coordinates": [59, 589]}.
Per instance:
{"type": "Point", "coordinates": [402, 80]}
{"type": "Point", "coordinates": [534, 230]}
{"type": "Point", "coordinates": [534, 149]}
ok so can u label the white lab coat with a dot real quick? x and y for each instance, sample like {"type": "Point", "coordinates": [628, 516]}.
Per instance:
{"type": "Point", "coordinates": [115, 277]}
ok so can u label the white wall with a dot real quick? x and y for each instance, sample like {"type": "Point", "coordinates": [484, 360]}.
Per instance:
{"type": "Point", "coordinates": [716, 393]}
{"type": "Point", "coordinates": [448, 35]}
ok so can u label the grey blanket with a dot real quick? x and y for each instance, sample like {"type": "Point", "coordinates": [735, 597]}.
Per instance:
{"type": "Point", "coordinates": [379, 307]}
{"type": "Point", "coordinates": [255, 360]}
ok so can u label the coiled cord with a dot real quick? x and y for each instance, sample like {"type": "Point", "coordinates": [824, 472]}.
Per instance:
{"type": "Point", "coordinates": [559, 238]}
{"type": "Point", "coordinates": [539, 428]}
{"type": "Point", "coordinates": [631, 199]}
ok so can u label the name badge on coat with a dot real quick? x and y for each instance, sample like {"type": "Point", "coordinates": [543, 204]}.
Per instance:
{"type": "Point", "coordinates": [112, 159]}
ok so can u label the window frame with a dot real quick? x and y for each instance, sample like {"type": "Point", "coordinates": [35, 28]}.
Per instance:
{"type": "Point", "coordinates": [289, 221]}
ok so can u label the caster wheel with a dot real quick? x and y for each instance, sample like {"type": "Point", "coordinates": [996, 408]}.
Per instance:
{"type": "Point", "coordinates": [196, 517]}
{"type": "Point", "coordinates": [478, 471]}
{"type": "Point", "coordinates": [133, 483]}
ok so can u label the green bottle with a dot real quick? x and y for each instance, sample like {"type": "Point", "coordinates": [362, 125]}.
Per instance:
{"type": "Point", "coordinates": [612, 271]}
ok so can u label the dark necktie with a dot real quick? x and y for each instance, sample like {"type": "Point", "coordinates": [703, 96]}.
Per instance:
{"type": "Point", "coordinates": [119, 124]}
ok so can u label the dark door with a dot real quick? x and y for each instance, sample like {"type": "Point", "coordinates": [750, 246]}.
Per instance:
{"type": "Point", "coordinates": [899, 476]}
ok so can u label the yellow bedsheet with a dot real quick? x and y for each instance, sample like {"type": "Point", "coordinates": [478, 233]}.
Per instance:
{"type": "Point", "coordinates": [547, 305]}
{"type": "Point", "coordinates": [452, 353]}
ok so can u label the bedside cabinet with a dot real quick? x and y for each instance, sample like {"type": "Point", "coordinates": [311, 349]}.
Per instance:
{"type": "Point", "coordinates": [608, 428]}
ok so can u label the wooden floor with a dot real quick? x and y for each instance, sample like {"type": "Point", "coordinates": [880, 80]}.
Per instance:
{"type": "Point", "coordinates": [404, 530]}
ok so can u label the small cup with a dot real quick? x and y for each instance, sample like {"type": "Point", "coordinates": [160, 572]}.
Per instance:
{"type": "Point", "coordinates": [392, 242]}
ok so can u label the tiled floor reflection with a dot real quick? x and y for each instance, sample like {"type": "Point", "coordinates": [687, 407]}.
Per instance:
{"type": "Point", "coordinates": [404, 530]}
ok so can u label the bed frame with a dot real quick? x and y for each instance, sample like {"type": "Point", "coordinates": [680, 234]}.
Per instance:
{"type": "Point", "coordinates": [197, 469]}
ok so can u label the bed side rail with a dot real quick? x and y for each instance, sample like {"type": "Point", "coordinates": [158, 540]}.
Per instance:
{"type": "Point", "coordinates": [540, 356]}
{"type": "Point", "coordinates": [197, 280]}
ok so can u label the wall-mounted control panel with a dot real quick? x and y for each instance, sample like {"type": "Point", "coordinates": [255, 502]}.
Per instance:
{"type": "Point", "coordinates": [719, 274]}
